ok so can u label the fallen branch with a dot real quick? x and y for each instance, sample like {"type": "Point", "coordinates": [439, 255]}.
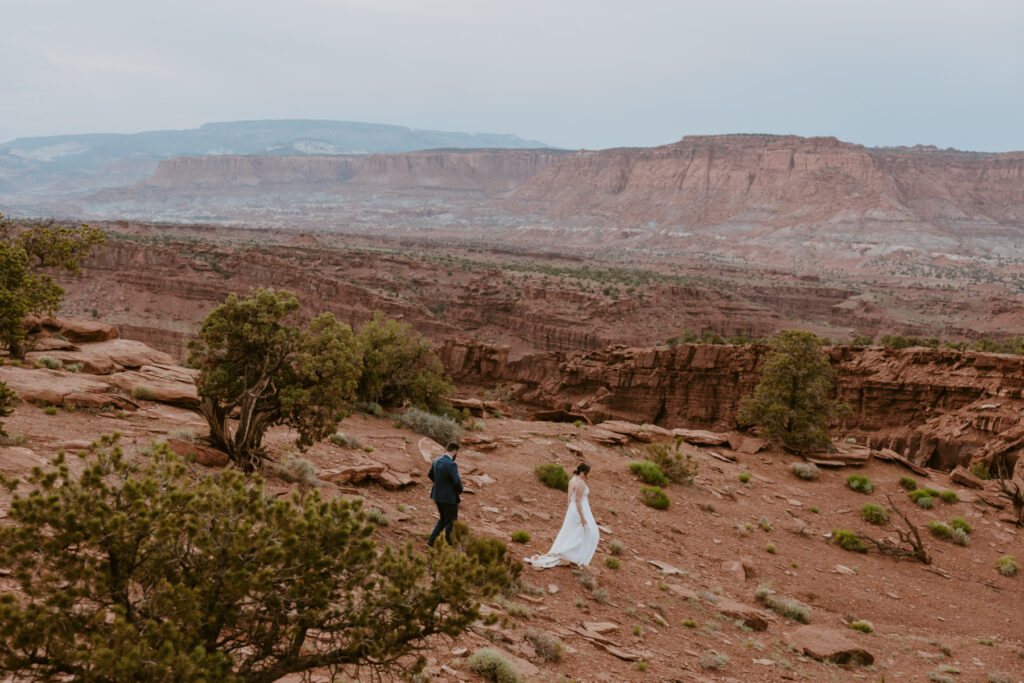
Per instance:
{"type": "Point", "coordinates": [910, 546]}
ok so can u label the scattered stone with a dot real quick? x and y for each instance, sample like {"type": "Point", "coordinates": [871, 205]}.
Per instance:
{"type": "Point", "coordinates": [830, 645]}
{"type": "Point", "coordinates": [600, 626]}
{"type": "Point", "coordinates": [665, 567]}
{"type": "Point", "coordinates": [842, 569]}
{"type": "Point", "coordinates": [746, 444]}
{"type": "Point", "coordinates": [552, 588]}
{"type": "Point", "coordinates": [459, 651]}
{"type": "Point", "coordinates": [751, 616]}
{"type": "Point", "coordinates": [764, 662]}
{"type": "Point", "coordinates": [684, 593]}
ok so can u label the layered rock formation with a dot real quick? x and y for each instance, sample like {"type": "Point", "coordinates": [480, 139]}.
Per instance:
{"type": "Point", "coordinates": [937, 407]}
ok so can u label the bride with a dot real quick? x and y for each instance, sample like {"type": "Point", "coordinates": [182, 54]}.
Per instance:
{"type": "Point", "coordinates": [577, 540]}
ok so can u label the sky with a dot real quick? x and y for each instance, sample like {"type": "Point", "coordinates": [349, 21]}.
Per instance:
{"type": "Point", "coordinates": [571, 73]}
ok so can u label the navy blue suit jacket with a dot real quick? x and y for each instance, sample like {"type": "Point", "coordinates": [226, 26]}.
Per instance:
{"type": "Point", "coordinates": [447, 483]}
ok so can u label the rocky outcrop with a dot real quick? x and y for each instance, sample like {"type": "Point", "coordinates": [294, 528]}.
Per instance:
{"type": "Point", "coordinates": [935, 406]}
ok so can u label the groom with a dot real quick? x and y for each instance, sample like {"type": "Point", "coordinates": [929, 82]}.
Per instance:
{"type": "Point", "coordinates": [447, 487]}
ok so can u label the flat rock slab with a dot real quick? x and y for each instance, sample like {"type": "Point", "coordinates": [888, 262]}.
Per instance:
{"type": "Point", "coordinates": [701, 437]}
{"type": "Point", "coordinates": [665, 567]}
{"type": "Point", "coordinates": [600, 626]}
{"type": "Point", "coordinates": [204, 455]}
{"type": "Point", "coordinates": [18, 460]}
{"type": "Point", "coordinates": [830, 645]}
{"type": "Point", "coordinates": [963, 476]}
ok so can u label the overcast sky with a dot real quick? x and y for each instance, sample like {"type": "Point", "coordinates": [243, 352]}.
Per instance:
{"type": "Point", "coordinates": [571, 73]}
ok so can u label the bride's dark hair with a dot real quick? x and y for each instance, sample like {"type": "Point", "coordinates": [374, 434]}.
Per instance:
{"type": "Point", "coordinates": [582, 468]}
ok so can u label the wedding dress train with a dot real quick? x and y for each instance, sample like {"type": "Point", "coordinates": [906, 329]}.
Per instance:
{"type": "Point", "coordinates": [574, 543]}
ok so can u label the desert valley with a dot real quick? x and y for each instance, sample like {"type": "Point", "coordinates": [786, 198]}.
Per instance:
{"type": "Point", "coordinates": [588, 306]}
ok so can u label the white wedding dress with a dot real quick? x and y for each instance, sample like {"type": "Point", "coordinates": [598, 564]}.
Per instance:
{"type": "Point", "coordinates": [574, 543]}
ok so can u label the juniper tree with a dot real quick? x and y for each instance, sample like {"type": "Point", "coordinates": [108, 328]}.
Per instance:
{"type": "Point", "coordinates": [791, 402]}
{"type": "Point", "coordinates": [147, 572]}
{"type": "Point", "coordinates": [24, 286]}
{"type": "Point", "coordinates": [8, 399]}
{"type": "Point", "coordinates": [258, 364]}
{"type": "Point", "coordinates": [399, 366]}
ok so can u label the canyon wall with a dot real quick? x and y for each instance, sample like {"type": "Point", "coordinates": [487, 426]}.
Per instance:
{"type": "Point", "coordinates": [935, 406]}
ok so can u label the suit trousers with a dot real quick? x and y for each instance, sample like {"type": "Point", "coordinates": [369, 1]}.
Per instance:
{"type": "Point", "coordinates": [449, 512]}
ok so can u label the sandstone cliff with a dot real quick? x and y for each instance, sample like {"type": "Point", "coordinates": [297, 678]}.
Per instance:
{"type": "Point", "coordinates": [739, 192]}
{"type": "Point", "coordinates": [937, 407]}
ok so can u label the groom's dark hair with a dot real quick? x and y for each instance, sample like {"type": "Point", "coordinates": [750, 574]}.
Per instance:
{"type": "Point", "coordinates": [452, 447]}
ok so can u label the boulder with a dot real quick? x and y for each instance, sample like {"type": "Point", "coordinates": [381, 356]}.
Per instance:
{"type": "Point", "coordinates": [645, 432]}
{"type": "Point", "coordinates": [392, 480]}
{"type": "Point", "coordinates": [204, 455]}
{"type": "Point", "coordinates": [828, 644]}
{"type": "Point", "coordinates": [83, 330]}
{"type": "Point", "coordinates": [963, 476]}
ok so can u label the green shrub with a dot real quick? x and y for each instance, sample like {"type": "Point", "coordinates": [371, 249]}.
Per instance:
{"type": "Point", "coordinates": [950, 497]}
{"type": "Point", "coordinates": [612, 562]}
{"type": "Point", "coordinates": [862, 626]}
{"type": "Point", "coordinates": [744, 477]}
{"type": "Point", "coordinates": [74, 367]}
{"type": "Point", "coordinates": [787, 607]}
{"type": "Point", "coordinates": [553, 475]}
{"type": "Point", "coordinates": [940, 529]}
{"type": "Point", "coordinates": [961, 523]}
{"type": "Point", "coordinates": [654, 497]}
{"type": "Point", "coordinates": [443, 430]}
{"type": "Point", "coordinates": [679, 467]}
{"type": "Point", "coordinates": [1008, 565]}
{"type": "Point", "coordinates": [764, 523]}
{"type": "Point", "coordinates": [50, 410]}
{"type": "Point", "coordinates": [616, 548]}
{"type": "Point", "coordinates": [807, 471]}
{"type": "Point", "coordinates": [491, 665]}
{"type": "Point", "coordinates": [909, 483]}
{"type": "Point", "coordinates": [923, 498]}
{"type": "Point", "coordinates": [648, 472]}
{"type": "Point", "coordinates": [874, 514]}
{"type": "Point", "coordinates": [770, 548]}
{"type": "Point", "coordinates": [847, 540]}
{"type": "Point", "coordinates": [934, 493]}
{"type": "Point", "coordinates": [960, 537]}
{"type": "Point", "coordinates": [980, 470]}
{"type": "Point", "coordinates": [859, 483]}
{"type": "Point", "coordinates": [521, 536]}
{"type": "Point", "coordinates": [368, 448]}
{"type": "Point", "coordinates": [157, 553]}
{"type": "Point", "coordinates": [16, 362]}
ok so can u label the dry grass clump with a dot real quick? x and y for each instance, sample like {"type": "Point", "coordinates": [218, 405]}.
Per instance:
{"type": "Point", "coordinates": [787, 607]}
{"type": "Point", "coordinates": [1008, 565]}
{"type": "Point", "coordinates": [444, 430]}
{"type": "Point", "coordinates": [493, 666]}
{"type": "Point", "coordinates": [679, 467]}
{"type": "Point", "coordinates": [648, 472]}
{"type": "Point", "coordinates": [807, 471]}
{"type": "Point", "coordinates": [874, 514]}
{"type": "Point", "coordinates": [548, 647]}
{"type": "Point", "coordinates": [847, 540]}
